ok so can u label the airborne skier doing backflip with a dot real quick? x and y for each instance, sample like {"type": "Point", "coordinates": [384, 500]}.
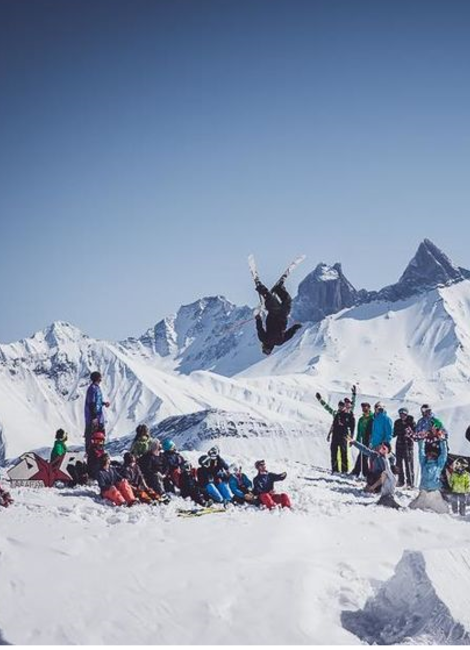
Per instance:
{"type": "Point", "coordinates": [278, 304]}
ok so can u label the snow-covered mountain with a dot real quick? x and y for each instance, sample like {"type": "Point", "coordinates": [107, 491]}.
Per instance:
{"type": "Point", "coordinates": [408, 343]}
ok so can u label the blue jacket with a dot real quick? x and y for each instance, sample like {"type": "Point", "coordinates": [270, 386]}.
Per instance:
{"type": "Point", "coordinates": [431, 470]}
{"type": "Point", "coordinates": [382, 429]}
{"type": "Point", "coordinates": [94, 404]}
{"type": "Point", "coordinates": [108, 477]}
{"type": "Point", "coordinates": [240, 485]}
{"type": "Point", "coordinates": [263, 483]}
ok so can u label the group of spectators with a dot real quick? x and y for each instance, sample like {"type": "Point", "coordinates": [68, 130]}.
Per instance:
{"type": "Point", "coordinates": [383, 469]}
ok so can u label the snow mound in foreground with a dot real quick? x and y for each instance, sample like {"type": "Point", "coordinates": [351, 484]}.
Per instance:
{"type": "Point", "coordinates": [426, 601]}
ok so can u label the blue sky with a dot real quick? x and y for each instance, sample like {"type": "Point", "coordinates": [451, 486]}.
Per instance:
{"type": "Point", "coordinates": [147, 147]}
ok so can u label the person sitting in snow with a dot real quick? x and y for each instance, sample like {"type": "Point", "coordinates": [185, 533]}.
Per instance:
{"type": "Point", "coordinates": [377, 465]}
{"type": "Point", "coordinates": [213, 476]}
{"type": "Point", "coordinates": [113, 486]}
{"type": "Point", "coordinates": [141, 443]}
{"type": "Point", "coordinates": [5, 498]}
{"type": "Point", "coordinates": [132, 473]}
{"type": "Point", "coordinates": [240, 485]}
{"type": "Point", "coordinates": [95, 454]}
{"type": "Point", "coordinates": [387, 480]}
{"type": "Point", "coordinates": [432, 453]}
{"type": "Point", "coordinates": [458, 479]}
{"type": "Point", "coordinates": [263, 487]}
{"type": "Point", "coordinates": [190, 488]}
{"type": "Point", "coordinates": [154, 467]}
{"type": "Point", "coordinates": [174, 461]}
{"type": "Point", "coordinates": [278, 304]}
{"type": "Point", "coordinates": [60, 447]}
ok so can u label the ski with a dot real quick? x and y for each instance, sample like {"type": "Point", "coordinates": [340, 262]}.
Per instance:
{"type": "Point", "coordinates": [255, 275]}
{"type": "Point", "coordinates": [198, 512]}
{"type": "Point", "coordinates": [292, 266]}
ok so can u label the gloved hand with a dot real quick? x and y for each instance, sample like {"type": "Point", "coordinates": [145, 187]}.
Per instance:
{"type": "Point", "coordinates": [318, 396]}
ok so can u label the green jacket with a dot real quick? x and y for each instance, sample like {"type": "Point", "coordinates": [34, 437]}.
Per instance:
{"type": "Point", "coordinates": [59, 449]}
{"type": "Point", "coordinates": [364, 422]}
{"type": "Point", "coordinates": [459, 483]}
{"type": "Point", "coordinates": [141, 446]}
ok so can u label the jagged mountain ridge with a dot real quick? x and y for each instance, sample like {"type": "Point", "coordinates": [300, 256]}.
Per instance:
{"type": "Point", "coordinates": [43, 379]}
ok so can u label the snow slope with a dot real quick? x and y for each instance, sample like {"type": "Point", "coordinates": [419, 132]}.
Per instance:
{"type": "Point", "coordinates": [79, 571]}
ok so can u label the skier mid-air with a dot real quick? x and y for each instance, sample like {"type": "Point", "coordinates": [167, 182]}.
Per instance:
{"type": "Point", "coordinates": [277, 303]}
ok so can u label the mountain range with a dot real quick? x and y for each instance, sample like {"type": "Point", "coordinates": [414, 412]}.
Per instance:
{"type": "Point", "coordinates": [406, 343]}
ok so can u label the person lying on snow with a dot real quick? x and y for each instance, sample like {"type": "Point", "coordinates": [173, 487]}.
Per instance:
{"type": "Point", "coordinates": [5, 498]}
{"type": "Point", "coordinates": [59, 448]}
{"type": "Point", "coordinates": [213, 476]}
{"type": "Point", "coordinates": [174, 461]}
{"type": "Point", "coordinates": [190, 488]}
{"type": "Point", "coordinates": [154, 467]}
{"type": "Point", "coordinates": [432, 454]}
{"type": "Point", "coordinates": [240, 485]}
{"type": "Point", "coordinates": [113, 487]}
{"type": "Point", "coordinates": [132, 473]}
{"type": "Point", "coordinates": [95, 454]}
{"type": "Point", "coordinates": [278, 304]}
{"type": "Point", "coordinates": [142, 441]}
{"type": "Point", "coordinates": [263, 487]}
{"type": "Point", "coordinates": [377, 462]}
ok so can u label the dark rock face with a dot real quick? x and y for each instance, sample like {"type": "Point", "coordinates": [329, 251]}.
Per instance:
{"type": "Point", "coordinates": [429, 268]}
{"type": "Point", "coordinates": [323, 292]}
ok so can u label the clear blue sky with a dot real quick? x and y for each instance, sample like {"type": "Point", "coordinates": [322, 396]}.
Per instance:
{"type": "Point", "coordinates": [147, 146]}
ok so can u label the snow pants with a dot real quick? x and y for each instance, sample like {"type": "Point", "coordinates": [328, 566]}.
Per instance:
{"type": "Point", "coordinates": [219, 493]}
{"type": "Point", "coordinates": [405, 463]}
{"type": "Point", "coordinates": [120, 494]}
{"type": "Point", "coordinates": [339, 452]}
{"type": "Point", "coordinates": [271, 500]}
{"type": "Point", "coordinates": [430, 500]}
{"type": "Point", "coordinates": [459, 503]}
{"type": "Point", "coordinates": [388, 501]}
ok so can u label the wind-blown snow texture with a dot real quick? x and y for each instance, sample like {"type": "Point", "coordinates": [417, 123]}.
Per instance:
{"type": "Point", "coordinates": [198, 376]}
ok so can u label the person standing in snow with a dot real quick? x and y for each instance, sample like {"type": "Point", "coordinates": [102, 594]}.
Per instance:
{"type": "Point", "coordinates": [382, 426]}
{"type": "Point", "coordinates": [364, 432]}
{"type": "Point", "coordinates": [423, 427]}
{"type": "Point", "coordinates": [458, 479]}
{"type": "Point", "coordinates": [60, 447]}
{"type": "Point", "coordinates": [94, 415]}
{"type": "Point", "coordinates": [432, 454]}
{"type": "Point", "coordinates": [278, 304]}
{"type": "Point", "coordinates": [343, 426]}
{"type": "Point", "coordinates": [403, 430]}
{"type": "Point", "coordinates": [263, 487]}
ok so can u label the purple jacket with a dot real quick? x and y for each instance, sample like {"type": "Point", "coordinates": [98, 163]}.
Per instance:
{"type": "Point", "coordinates": [94, 404]}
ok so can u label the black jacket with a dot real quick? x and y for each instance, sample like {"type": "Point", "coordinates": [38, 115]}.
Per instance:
{"type": "Point", "coordinates": [343, 424]}
{"type": "Point", "coordinates": [399, 430]}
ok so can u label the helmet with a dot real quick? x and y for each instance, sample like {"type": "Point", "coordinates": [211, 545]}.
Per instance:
{"type": "Point", "coordinates": [98, 436]}
{"type": "Point", "coordinates": [187, 466]}
{"type": "Point", "coordinates": [347, 400]}
{"type": "Point", "coordinates": [341, 404]}
{"type": "Point", "coordinates": [96, 376]}
{"type": "Point", "coordinates": [403, 411]}
{"type": "Point", "coordinates": [156, 445]}
{"type": "Point", "coordinates": [204, 460]}
{"type": "Point", "coordinates": [168, 445]}
{"type": "Point", "coordinates": [213, 452]}
{"type": "Point", "coordinates": [460, 465]}
{"type": "Point", "coordinates": [437, 424]}
{"type": "Point", "coordinates": [365, 405]}
{"type": "Point", "coordinates": [259, 463]}
{"type": "Point", "coordinates": [235, 468]}
{"type": "Point", "coordinates": [425, 407]}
